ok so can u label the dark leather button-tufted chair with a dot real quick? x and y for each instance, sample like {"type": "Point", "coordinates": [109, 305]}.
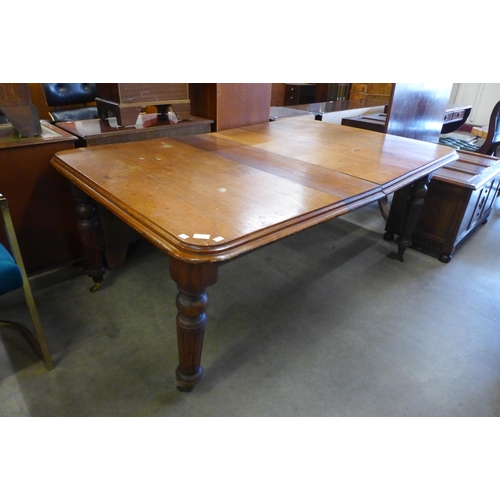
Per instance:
{"type": "Point", "coordinates": [70, 94]}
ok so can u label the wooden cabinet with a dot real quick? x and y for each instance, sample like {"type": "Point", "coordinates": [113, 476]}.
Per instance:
{"type": "Point", "coordinates": [459, 199]}
{"type": "Point", "coordinates": [370, 90]}
{"type": "Point", "coordinates": [322, 92]}
{"type": "Point", "coordinates": [39, 199]}
{"type": "Point", "coordinates": [126, 100]}
{"type": "Point", "coordinates": [278, 94]}
{"type": "Point", "coordinates": [231, 105]}
{"type": "Point", "coordinates": [299, 93]}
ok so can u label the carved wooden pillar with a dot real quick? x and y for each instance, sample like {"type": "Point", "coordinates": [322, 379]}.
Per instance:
{"type": "Point", "coordinates": [192, 281]}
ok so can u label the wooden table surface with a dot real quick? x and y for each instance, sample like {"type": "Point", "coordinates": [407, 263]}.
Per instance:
{"type": "Point", "coordinates": [208, 198]}
{"type": "Point", "coordinates": [480, 131]}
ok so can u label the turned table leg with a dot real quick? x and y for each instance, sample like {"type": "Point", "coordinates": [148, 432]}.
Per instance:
{"type": "Point", "coordinates": [404, 213]}
{"type": "Point", "coordinates": [192, 281]}
{"type": "Point", "coordinates": [415, 204]}
{"type": "Point", "coordinates": [88, 228]}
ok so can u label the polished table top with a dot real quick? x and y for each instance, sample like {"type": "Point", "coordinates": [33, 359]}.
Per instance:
{"type": "Point", "coordinates": [10, 137]}
{"type": "Point", "coordinates": [242, 188]}
{"type": "Point", "coordinates": [208, 198]}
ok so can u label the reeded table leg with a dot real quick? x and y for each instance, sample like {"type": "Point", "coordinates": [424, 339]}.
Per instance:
{"type": "Point", "coordinates": [192, 281]}
{"type": "Point", "coordinates": [88, 228]}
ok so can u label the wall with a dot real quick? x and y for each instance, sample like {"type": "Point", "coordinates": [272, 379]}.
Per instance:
{"type": "Point", "coordinates": [482, 97]}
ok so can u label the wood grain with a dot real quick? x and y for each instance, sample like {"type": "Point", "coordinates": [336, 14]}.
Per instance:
{"type": "Point", "coordinates": [249, 186]}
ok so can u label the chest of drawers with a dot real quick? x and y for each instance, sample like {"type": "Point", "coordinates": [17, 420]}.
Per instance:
{"type": "Point", "coordinates": [299, 93]}
{"type": "Point", "coordinates": [126, 100]}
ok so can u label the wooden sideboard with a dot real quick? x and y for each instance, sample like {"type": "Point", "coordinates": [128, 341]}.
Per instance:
{"type": "Point", "coordinates": [323, 92]}
{"type": "Point", "coordinates": [39, 199]}
{"type": "Point", "coordinates": [299, 93]}
{"type": "Point", "coordinates": [370, 90]}
{"type": "Point", "coordinates": [460, 198]}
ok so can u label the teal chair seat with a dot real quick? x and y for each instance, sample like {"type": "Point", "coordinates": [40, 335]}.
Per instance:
{"type": "Point", "coordinates": [10, 275]}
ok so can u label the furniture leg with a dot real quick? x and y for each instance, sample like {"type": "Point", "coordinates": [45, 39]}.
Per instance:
{"type": "Point", "coordinates": [125, 116]}
{"type": "Point", "coordinates": [88, 228]}
{"type": "Point", "coordinates": [384, 207]}
{"type": "Point", "coordinates": [116, 237]}
{"type": "Point", "coordinates": [192, 281]}
{"type": "Point", "coordinates": [415, 202]}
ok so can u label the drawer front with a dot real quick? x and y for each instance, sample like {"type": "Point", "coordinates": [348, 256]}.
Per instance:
{"type": "Point", "coordinates": [383, 89]}
{"type": "Point", "coordinates": [358, 95]}
{"type": "Point", "coordinates": [454, 116]}
{"type": "Point", "coordinates": [292, 90]}
{"type": "Point", "coordinates": [291, 97]}
{"type": "Point", "coordinates": [153, 92]}
{"type": "Point", "coordinates": [292, 94]}
{"type": "Point", "coordinates": [360, 87]}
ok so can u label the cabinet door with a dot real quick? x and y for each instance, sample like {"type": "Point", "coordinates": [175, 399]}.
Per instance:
{"type": "Point", "coordinates": [480, 204]}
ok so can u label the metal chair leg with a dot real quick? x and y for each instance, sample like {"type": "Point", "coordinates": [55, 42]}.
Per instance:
{"type": "Point", "coordinates": [38, 340]}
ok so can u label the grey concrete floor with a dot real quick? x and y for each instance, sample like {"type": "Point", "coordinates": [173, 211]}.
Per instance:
{"type": "Point", "coordinates": [324, 323]}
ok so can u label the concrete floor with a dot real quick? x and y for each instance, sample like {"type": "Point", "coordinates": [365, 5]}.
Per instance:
{"type": "Point", "coordinates": [324, 323]}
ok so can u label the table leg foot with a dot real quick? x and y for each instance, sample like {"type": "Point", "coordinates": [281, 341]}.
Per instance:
{"type": "Point", "coordinates": [445, 258]}
{"type": "Point", "coordinates": [96, 286]}
{"type": "Point", "coordinates": [186, 382]}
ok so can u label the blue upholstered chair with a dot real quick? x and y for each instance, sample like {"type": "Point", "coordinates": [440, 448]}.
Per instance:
{"type": "Point", "coordinates": [12, 277]}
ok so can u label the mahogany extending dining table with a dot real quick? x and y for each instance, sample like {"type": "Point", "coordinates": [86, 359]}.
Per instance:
{"type": "Point", "coordinates": [208, 198]}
